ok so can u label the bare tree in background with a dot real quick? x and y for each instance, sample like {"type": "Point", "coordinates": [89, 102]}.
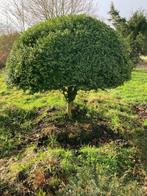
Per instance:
{"type": "Point", "coordinates": [6, 28]}
{"type": "Point", "coordinates": [15, 13]}
{"type": "Point", "coordinates": [44, 9]}
{"type": "Point", "coordinates": [3, 28]}
{"type": "Point", "coordinates": [25, 13]}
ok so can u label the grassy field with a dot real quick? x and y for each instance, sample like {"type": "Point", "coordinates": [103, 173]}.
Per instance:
{"type": "Point", "coordinates": [101, 151]}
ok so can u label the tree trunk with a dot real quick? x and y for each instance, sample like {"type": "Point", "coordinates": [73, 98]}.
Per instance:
{"type": "Point", "coordinates": [69, 94]}
{"type": "Point", "coordinates": [69, 109]}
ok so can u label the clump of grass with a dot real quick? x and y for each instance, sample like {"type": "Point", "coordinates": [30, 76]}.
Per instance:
{"type": "Point", "coordinates": [50, 169]}
{"type": "Point", "coordinates": [14, 124]}
{"type": "Point", "coordinates": [85, 184]}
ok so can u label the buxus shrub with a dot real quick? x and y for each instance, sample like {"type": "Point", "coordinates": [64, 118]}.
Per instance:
{"type": "Point", "coordinates": [68, 53]}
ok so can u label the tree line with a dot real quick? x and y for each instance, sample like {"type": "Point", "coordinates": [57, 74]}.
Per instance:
{"type": "Point", "coordinates": [134, 30]}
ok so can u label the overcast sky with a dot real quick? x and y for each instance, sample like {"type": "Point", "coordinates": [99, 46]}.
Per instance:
{"type": "Point", "coordinates": [126, 7]}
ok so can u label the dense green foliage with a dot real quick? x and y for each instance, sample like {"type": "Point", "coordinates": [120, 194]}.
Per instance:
{"type": "Point", "coordinates": [134, 30]}
{"type": "Point", "coordinates": [69, 53]}
{"type": "Point", "coordinates": [137, 34]}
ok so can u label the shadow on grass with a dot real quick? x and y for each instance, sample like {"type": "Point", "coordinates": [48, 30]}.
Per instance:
{"type": "Point", "coordinates": [14, 124]}
{"type": "Point", "coordinates": [51, 127]}
{"type": "Point", "coordinates": [7, 189]}
{"type": "Point", "coordinates": [85, 128]}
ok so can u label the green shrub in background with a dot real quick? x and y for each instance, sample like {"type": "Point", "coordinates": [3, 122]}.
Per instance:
{"type": "Point", "coordinates": [69, 53]}
{"type": "Point", "coordinates": [134, 30]}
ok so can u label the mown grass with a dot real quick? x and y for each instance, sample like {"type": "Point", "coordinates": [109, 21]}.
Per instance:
{"type": "Point", "coordinates": [134, 91]}
{"type": "Point", "coordinates": [42, 152]}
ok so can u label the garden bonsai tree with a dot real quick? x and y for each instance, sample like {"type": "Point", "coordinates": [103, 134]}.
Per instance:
{"type": "Point", "coordinates": [68, 53]}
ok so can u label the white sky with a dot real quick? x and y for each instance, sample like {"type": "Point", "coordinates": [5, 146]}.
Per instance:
{"type": "Point", "coordinates": [126, 7]}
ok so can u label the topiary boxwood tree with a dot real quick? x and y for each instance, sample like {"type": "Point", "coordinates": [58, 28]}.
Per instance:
{"type": "Point", "coordinates": [68, 53]}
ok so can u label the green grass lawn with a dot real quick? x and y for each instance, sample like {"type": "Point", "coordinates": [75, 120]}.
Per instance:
{"type": "Point", "coordinates": [101, 151]}
{"type": "Point", "coordinates": [144, 58]}
{"type": "Point", "coordinates": [134, 91]}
